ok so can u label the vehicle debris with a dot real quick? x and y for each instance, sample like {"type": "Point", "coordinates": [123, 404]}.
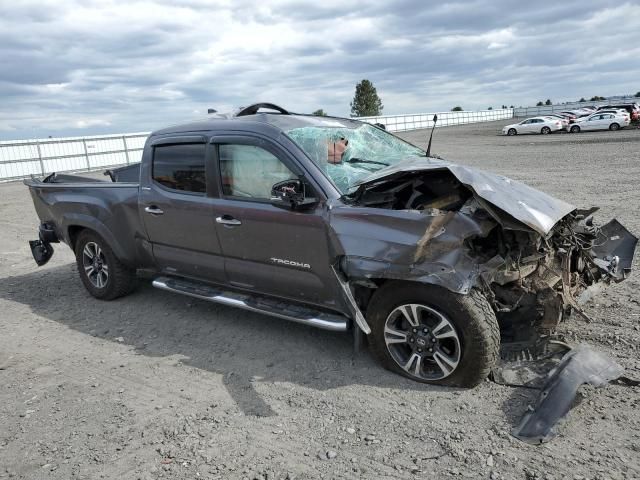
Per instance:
{"type": "Point", "coordinates": [527, 364]}
{"type": "Point", "coordinates": [581, 365]}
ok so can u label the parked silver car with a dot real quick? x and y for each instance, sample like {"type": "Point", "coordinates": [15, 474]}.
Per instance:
{"type": "Point", "coordinates": [544, 125]}
{"type": "Point", "coordinates": [601, 121]}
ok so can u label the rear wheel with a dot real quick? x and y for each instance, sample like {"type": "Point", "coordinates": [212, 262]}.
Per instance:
{"type": "Point", "coordinates": [102, 274]}
{"type": "Point", "coordinates": [614, 126]}
{"type": "Point", "coordinates": [432, 335]}
{"type": "Point", "coordinates": [512, 131]}
{"type": "Point", "coordinates": [545, 130]}
{"type": "Point", "coordinates": [575, 129]}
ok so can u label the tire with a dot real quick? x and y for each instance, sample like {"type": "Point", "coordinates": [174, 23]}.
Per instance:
{"type": "Point", "coordinates": [575, 129]}
{"type": "Point", "coordinates": [614, 126]}
{"type": "Point", "coordinates": [102, 274]}
{"type": "Point", "coordinates": [545, 131]}
{"type": "Point", "coordinates": [471, 327]}
{"type": "Point", "coordinates": [512, 131]}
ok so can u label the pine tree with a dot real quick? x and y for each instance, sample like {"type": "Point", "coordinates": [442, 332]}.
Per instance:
{"type": "Point", "coordinates": [320, 113]}
{"type": "Point", "coordinates": [366, 102]}
{"type": "Point", "coordinates": [548, 102]}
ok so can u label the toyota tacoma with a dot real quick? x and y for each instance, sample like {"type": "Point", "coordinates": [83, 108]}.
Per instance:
{"type": "Point", "coordinates": [336, 224]}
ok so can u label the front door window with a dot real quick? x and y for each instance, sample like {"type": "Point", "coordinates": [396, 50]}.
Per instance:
{"type": "Point", "coordinates": [249, 171]}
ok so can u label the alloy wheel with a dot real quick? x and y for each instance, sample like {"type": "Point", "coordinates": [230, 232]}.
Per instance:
{"type": "Point", "coordinates": [422, 341]}
{"type": "Point", "coordinates": [95, 265]}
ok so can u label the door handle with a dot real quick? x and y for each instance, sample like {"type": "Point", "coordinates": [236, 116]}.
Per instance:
{"type": "Point", "coordinates": [228, 220]}
{"type": "Point", "coordinates": [153, 210]}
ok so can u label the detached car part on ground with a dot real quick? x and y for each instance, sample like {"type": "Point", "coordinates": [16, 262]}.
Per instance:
{"type": "Point", "coordinates": [437, 263]}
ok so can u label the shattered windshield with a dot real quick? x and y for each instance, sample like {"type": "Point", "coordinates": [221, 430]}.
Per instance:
{"type": "Point", "coordinates": [351, 154]}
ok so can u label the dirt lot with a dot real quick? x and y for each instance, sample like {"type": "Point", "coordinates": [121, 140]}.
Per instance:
{"type": "Point", "coordinates": [158, 385]}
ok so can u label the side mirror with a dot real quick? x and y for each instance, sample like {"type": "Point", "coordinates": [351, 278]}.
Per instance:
{"type": "Point", "coordinates": [291, 194]}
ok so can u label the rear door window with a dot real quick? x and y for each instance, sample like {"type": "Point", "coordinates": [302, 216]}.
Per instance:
{"type": "Point", "coordinates": [180, 167]}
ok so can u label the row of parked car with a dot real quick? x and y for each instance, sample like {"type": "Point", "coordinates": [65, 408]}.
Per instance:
{"type": "Point", "coordinates": [604, 117]}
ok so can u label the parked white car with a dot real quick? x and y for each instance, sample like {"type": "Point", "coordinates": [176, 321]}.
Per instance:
{"type": "Point", "coordinates": [542, 125]}
{"type": "Point", "coordinates": [563, 120]}
{"type": "Point", "coordinates": [601, 121]}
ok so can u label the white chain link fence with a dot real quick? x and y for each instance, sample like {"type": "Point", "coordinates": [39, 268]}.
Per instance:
{"type": "Point", "coordinates": [22, 158]}
{"type": "Point", "coordinates": [402, 123]}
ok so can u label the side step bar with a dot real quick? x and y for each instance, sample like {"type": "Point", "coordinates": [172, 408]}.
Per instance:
{"type": "Point", "coordinates": [267, 306]}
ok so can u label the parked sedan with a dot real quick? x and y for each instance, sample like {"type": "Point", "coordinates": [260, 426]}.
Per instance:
{"type": "Point", "coordinates": [601, 121]}
{"type": "Point", "coordinates": [633, 109]}
{"type": "Point", "coordinates": [563, 119]}
{"type": "Point", "coordinates": [544, 125]}
{"type": "Point", "coordinates": [570, 115]}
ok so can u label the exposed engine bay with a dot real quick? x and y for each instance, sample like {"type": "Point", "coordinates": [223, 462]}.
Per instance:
{"type": "Point", "coordinates": [533, 276]}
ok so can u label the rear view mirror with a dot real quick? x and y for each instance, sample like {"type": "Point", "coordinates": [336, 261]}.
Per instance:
{"type": "Point", "coordinates": [291, 194]}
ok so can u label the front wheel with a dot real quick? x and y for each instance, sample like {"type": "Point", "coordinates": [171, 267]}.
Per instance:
{"type": "Point", "coordinates": [575, 129]}
{"type": "Point", "coordinates": [101, 272]}
{"type": "Point", "coordinates": [545, 130]}
{"type": "Point", "coordinates": [432, 335]}
{"type": "Point", "coordinates": [614, 127]}
{"type": "Point", "coordinates": [512, 132]}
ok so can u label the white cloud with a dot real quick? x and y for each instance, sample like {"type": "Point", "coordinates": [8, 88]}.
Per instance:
{"type": "Point", "coordinates": [92, 122]}
{"type": "Point", "coordinates": [138, 65]}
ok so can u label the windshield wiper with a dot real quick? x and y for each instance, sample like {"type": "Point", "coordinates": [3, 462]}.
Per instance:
{"type": "Point", "coordinates": [364, 160]}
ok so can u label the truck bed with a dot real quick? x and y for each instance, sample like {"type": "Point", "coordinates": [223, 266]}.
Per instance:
{"type": "Point", "coordinates": [68, 203]}
{"type": "Point", "coordinates": [127, 174]}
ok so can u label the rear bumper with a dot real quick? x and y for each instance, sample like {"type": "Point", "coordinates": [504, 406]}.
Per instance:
{"type": "Point", "coordinates": [41, 249]}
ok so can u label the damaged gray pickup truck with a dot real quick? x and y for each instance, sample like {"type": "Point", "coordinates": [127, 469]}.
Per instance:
{"type": "Point", "coordinates": [340, 225]}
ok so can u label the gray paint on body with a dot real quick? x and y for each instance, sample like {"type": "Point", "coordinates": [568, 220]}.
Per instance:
{"type": "Point", "coordinates": [429, 246]}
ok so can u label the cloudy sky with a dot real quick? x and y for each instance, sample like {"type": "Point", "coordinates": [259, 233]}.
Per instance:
{"type": "Point", "coordinates": [88, 67]}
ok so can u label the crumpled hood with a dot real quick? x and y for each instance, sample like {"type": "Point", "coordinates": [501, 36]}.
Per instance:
{"type": "Point", "coordinates": [529, 206]}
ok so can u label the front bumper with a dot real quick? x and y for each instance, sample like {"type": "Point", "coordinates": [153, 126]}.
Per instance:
{"type": "Point", "coordinates": [581, 365]}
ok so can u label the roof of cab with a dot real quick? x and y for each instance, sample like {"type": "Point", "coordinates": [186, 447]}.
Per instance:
{"type": "Point", "coordinates": [247, 120]}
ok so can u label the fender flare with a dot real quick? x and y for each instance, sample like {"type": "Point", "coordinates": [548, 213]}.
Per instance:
{"type": "Point", "coordinates": [91, 223]}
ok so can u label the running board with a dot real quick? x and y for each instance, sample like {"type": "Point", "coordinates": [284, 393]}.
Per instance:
{"type": "Point", "coordinates": [268, 306]}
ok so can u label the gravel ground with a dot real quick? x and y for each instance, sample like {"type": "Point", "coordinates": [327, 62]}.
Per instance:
{"type": "Point", "coordinates": [156, 385]}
